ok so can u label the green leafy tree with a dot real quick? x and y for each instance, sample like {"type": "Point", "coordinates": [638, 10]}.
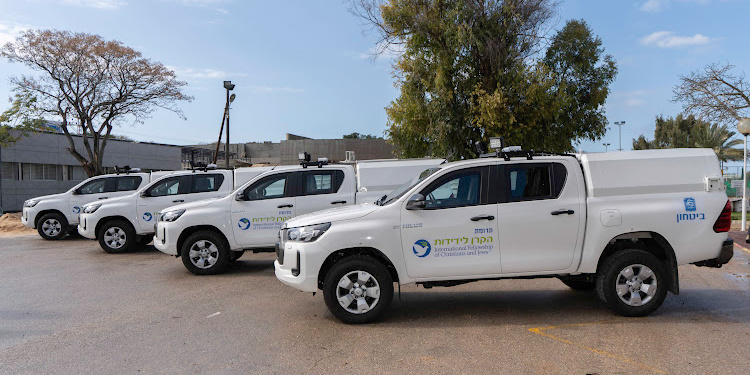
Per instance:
{"type": "Point", "coordinates": [690, 132]}
{"type": "Point", "coordinates": [89, 85]}
{"type": "Point", "coordinates": [356, 135]}
{"type": "Point", "coordinates": [474, 69]}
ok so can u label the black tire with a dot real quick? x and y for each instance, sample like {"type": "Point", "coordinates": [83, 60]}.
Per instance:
{"type": "Point", "coordinates": [52, 226]}
{"type": "Point", "coordinates": [612, 274]}
{"type": "Point", "coordinates": [579, 285]}
{"type": "Point", "coordinates": [116, 236]}
{"type": "Point", "coordinates": [236, 255]}
{"type": "Point", "coordinates": [213, 246]}
{"type": "Point", "coordinates": [376, 271]}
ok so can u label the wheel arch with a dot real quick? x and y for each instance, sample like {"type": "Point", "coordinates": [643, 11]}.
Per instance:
{"type": "Point", "coordinates": [339, 255]}
{"type": "Point", "coordinates": [196, 228]}
{"type": "Point", "coordinates": [651, 242]}
{"type": "Point", "coordinates": [40, 214]}
{"type": "Point", "coordinates": [107, 219]}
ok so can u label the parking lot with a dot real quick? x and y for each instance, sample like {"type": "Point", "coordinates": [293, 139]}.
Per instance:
{"type": "Point", "coordinates": [68, 307]}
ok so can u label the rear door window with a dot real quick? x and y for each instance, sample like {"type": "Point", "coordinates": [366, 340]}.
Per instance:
{"type": "Point", "coordinates": [321, 182]}
{"type": "Point", "coordinates": [203, 183]}
{"type": "Point", "coordinates": [128, 183]}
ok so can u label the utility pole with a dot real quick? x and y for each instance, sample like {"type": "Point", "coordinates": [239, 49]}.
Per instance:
{"type": "Point", "coordinates": [619, 125]}
{"type": "Point", "coordinates": [606, 146]}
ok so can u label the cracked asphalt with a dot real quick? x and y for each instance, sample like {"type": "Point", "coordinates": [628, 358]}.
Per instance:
{"type": "Point", "coordinates": [68, 307]}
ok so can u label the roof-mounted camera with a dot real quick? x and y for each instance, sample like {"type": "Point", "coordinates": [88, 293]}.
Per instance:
{"type": "Point", "coordinates": [305, 160]}
{"type": "Point", "coordinates": [126, 169]}
{"type": "Point", "coordinates": [201, 166]}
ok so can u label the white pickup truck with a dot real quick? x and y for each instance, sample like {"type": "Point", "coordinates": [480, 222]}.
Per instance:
{"type": "Point", "coordinates": [618, 222]}
{"type": "Point", "coordinates": [208, 235]}
{"type": "Point", "coordinates": [54, 216]}
{"type": "Point", "coordinates": [120, 223]}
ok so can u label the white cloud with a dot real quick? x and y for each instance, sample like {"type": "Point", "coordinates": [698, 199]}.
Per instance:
{"type": "Point", "coordinates": [381, 51]}
{"type": "Point", "coordinates": [654, 6]}
{"type": "Point", "coordinates": [192, 74]}
{"type": "Point", "coordinates": [668, 39]}
{"type": "Point", "coordinates": [9, 32]}
{"type": "Point", "coordinates": [98, 4]}
{"type": "Point", "coordinates": [632, 98]}
{"type": "Point", "coordinates": [269, 90]}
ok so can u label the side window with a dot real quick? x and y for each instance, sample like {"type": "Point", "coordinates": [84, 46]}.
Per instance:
{"type": "Point", "coordinates": [529, 182]}
{"type": "Point", "coordinates": [95, 187]}
{"type": "Point", "coordinates": [267, 188]}
{"type": "Point", "coordinates": [321, 182]}
{"type": "Point", "coordinates": [128, 183]}
{"type": "Point", "coordinates": [455, 190]}
{"type": "Point", "coordinates": [203, 183]}
{"type": "Point", "coordinates": [559, 175]}
{"type": "Point", "coordinates": [168, 186]}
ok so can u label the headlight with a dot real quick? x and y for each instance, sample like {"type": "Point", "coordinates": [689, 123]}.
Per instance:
{"type": "Point", "coordinates": [171, 215]}
{"type": "Point", "coordinates": [91, 208]}
{"type": "Point", "coordinates": [309, 233]}
{"type": "Point", "coordinates": [30, 203]}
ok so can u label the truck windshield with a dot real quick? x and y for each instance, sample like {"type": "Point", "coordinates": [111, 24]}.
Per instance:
{"type": "Point", "coordinates": [401, 190]}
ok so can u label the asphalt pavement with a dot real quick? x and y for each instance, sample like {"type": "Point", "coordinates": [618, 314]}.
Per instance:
{"type": "Point", "coordinates": [68, 307]}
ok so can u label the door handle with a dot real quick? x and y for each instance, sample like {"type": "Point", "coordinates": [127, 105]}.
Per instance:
{"type": "Point", "coordinates": [560, 212]}
{"type": "Point", "coordinates": [338, 202]}
{"type": "Point", "coordinates": [285, 205]}
{"type": "Point", "coordinates": [483, 217]}
{"type": "Point", "coordinates": [103, 197]}
{"type": "Point", "coordinates": [178, 200]}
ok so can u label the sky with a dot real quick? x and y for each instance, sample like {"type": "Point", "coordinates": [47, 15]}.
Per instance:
{"type": "Point", "coordinates": [306, 67]}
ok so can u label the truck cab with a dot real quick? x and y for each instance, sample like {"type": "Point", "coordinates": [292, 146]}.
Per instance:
{"type": "Point", "coordinates": [56, 215]}
{"type": "Point", "coordinates": [118, 224]}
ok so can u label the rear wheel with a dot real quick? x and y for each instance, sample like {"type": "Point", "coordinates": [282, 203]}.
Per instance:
{"type": "Point", "coordinates": [116, 236]}
{"type": "Point", "coordinates": [632, 283]}
{"type": "Point", "coordinates": [52, 226]}
{"type": "Point", "coordinates": [358, 289]}
{"type": "Point", "coordinates": [205, 253]}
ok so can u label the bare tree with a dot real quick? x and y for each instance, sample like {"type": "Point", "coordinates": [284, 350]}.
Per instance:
{"type": "Point", "coordinates": [714, 94]}
{"type": "Point", "coordinates": [89, 85]}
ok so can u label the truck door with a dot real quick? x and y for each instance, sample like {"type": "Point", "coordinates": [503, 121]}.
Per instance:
{"type": "Point", "coordinates": [264, 207]}
{"type": "Point", "coordinates": [94, 190]}
{"type": "Point", "coordinates": [539, 224]}
{"type": "Point", "coordinates": [456, 233]}
{"type": "Point", "coordinates": [166, 192]}
{"type": "Point", "coordinates": [320, 189]}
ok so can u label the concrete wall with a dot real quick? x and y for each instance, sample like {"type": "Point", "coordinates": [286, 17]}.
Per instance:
{"type": "Point", "coordinates": [50, 148]}
{"type": "Point", "coordinates": [335, 149]}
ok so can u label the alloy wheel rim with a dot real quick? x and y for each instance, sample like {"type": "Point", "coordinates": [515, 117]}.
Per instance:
{"type": "Point", "coordinates": [204, 254]}
{"type": "Point", "coordinates": [51, 227]}
{"type": "Point", "coordinates": [358, 292]}
{"type": "Point", "coordinates": [115, 237]}
{"type": "Point", "coordinates": [636, 285]}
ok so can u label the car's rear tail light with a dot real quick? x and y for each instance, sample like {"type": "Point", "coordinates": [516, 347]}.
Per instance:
{"type": "Point", "coordinates": [724, 222]}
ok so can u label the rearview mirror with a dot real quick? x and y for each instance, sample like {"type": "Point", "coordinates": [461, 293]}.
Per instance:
{"type": "Point", "coordinates": [240, 196]}
{"type": "Point", "coordinates": [144, 194]}
{"type": "Point", "coordinates": [416, 202]}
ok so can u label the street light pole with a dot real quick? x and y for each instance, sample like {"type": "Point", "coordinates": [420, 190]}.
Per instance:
{"type": "Point", "coordinates": [619, 125]}
{"type": "Point", "coordinates": [606, 146]}
{"type": "Point", "coordinates": [229, 86]}
{"type": "Point", "coordinates": [744, 127]}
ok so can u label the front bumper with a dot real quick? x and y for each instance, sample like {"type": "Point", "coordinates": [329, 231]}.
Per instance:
{"type": "Point", "coordinates": [27, 217]}
{"type": "Point", "coordinates": [165, 237]}
{"type": "Point", "coordinates": [301, 265]}
{"type": "Point", "coordinates": [87, 226]}
{"type": "Point", "coordinates": [725, 255]}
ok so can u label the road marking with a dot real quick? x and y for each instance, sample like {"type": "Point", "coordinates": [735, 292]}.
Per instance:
{"type": "Point", "coordinates": [213, 315]}
{"type": "Point", "coordinates": [742, 248]}
{"type": "Point", "coordinates": [539, 331]}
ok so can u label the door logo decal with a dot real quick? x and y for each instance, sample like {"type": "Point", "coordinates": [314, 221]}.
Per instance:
{"type": "Point", "coordinates": [689, 204]}
{"type": "Point", "coordinates": [76, 209]}
{"type": "Point", "coordinates": [244, 224]}
{"type": "Point", "coordinates": [147, 216]}
{"type": "Point", "coordinates": [421, 248]}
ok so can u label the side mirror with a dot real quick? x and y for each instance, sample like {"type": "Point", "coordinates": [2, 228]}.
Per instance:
{"type": "Point", "coordinates": [416, 202]}
{"type": "Point", "coordinates": [240, 196]}
{"type": "Point", "coordinates": [144, 194]}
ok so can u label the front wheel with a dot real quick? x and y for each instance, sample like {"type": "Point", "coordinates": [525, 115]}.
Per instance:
{"type": "Point", "coordinates": [205, 253]}
{"type": "Point", "coordinates": [632, 283]}
{"type": "Point", "coordinates": [52, 226]}
{"type": "Point", "coordinates": [358, 289]}
{"type": "Point", "coordinates": [116, 236]}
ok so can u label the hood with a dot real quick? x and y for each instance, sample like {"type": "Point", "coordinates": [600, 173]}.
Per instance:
{"type": "Point", "coordinates": [200, 203]}
{"type": "Point", "coordinates": [334, 214]}
{"type": "Point", "coordinates": [47, 197]}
